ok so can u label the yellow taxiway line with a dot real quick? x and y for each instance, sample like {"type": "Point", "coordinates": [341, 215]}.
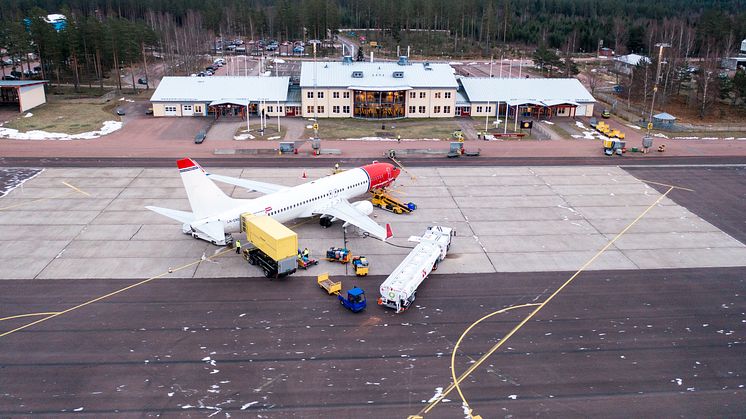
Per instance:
{"type": "Point", "coordinates": [111, 294]}
{"type": "Point", "coordinates": [18, 316]}
{"type": "Point", "coordinates": [533, 313]}
{"type": "Point", "coordinates": [667, 185]}
{"type": "Point", "coordinates": [47, 198]}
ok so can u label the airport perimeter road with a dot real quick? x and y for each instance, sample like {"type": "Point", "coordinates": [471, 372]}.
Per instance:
{"type": "Point", "coordinates": [614, 344]}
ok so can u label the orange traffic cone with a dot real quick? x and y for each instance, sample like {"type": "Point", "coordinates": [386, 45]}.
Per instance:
{"type": "Point", "coordinates": [304, 175]}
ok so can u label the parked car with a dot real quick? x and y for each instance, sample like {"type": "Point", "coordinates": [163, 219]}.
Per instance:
{"type": "Point", "coordinates": [200, 137]}
{"type": "Point", "coordinates": [606, 113]}
{"type": "Point", "coordinates": [120, 111]}
{"type": "Point", "coordinates": [149, 111]}
{"type": "Point", "coordinates": [142, 81]}
{"type": "Point", "coordinates": [298, 50]}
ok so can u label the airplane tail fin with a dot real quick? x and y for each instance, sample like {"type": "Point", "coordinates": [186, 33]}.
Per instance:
{"type": "Point", "coordinates": [389, 233]}
{"type": "Point", "coordinates": [205, 197]}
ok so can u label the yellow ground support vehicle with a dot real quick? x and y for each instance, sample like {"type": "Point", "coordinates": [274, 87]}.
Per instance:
{"type": "Point", "coordinates": [383, 200]}
{"type": "Point", "coordinates": [361, 265]}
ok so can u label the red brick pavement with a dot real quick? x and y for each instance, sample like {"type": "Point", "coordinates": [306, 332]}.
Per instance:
{"type": "Point", "coordinates": [173, 137]}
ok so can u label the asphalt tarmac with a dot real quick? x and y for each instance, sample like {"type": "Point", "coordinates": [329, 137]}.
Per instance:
{"type": "Point", "coordinates": [622, 343]}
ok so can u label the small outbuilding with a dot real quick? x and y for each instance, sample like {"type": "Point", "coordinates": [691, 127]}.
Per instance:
{"type": "Point", "coordinates": [25, 94]}
{"type": "Point", "coordinates": [664, 120]}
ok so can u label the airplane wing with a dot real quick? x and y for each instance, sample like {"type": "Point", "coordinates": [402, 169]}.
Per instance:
{"type": "Point", "coordinates": [252, 185]}
{"type": "Point", "coordinates": [343, 210]}
{"type": "Point", "coordinates": [182, 216]}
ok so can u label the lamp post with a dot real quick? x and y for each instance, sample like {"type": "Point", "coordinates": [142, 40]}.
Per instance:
{"type": "Point", "coordinates": [655, 85]}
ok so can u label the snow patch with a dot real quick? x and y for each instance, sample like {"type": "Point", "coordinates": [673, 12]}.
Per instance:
{"type": "Point", "coordinates": [14, 134]}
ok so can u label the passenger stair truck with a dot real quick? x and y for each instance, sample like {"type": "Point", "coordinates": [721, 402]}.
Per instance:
{"type": "Point", "coordinates": [274, 247]}
{"type": "Point", "coordinates": [398, 290]}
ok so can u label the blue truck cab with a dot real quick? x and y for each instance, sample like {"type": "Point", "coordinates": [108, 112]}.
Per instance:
{"type": "Point", "coordinates": [355, 300]}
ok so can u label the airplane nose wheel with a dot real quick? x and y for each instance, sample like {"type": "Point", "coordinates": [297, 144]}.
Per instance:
{"type": "Point", "coordinates": [325, 222]}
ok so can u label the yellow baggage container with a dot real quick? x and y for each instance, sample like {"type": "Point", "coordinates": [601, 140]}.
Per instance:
{"type": "Point", "coordinates": [270, 236]}
{"type": "Point", "coordinates": [620, 135]}
{"type": "Point", "coordinates": [608, 143]}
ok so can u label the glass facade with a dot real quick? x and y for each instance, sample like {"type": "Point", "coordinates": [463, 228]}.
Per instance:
{"type": "Point", "coordinates": [380, 104]}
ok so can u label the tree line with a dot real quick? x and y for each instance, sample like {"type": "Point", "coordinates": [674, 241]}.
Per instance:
{"type": "Point", "coordinates": [103, 35]}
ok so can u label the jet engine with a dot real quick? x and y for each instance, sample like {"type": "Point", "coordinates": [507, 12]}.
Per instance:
{"type": "Point", "coordinates": [364, 207]}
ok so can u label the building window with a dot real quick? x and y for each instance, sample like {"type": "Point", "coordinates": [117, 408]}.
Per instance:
{"type": "Point", "coordinates": [270, 109]}
{"type": "Point", "coordinates": [310, 109]}
{"type": "Point", "coordinates": [479, 109]}
{"type": "Point", "coordinates": [489, 109]}
{"type": "Point", "coordinates": [309, 95]}
{"type": "Point", "coordinates": [279, 109]}
{"type": "Point", "coordinates": [321, 109]}
{"type": "Point", "coordinates": [411, 109]}
{"type": "Point", "coordinates": [448, 95]}
{"type": "Point", "coordinates": [335, 95]}
{"type": "Point", "coordinates": [412, 95]}
{"type": "Point", "coordinates": [422, 109]}
{"type": "Point", "coordinates": [437, 95]}
{"type": "Point", "coordinates": [320, 95]}
{"type": "Point", "coordinates": [436, 109]}
{"type": "Point", "coordinates": [187, 107]}
{"type": "Point", "coordinates": [422, 95]}
{"type": "Point", "coordinates": [198, 108]}
{"type": "Point", "coordinates": [346, 109]}
{"type": "Point", "coordinates": [346, 95]}
{"type": "Point", "coordinates": [335, 109]}
{"type": "Point", "coordinates": [446, 109]}
{"type": "Point", "coordinates": [170, 108]}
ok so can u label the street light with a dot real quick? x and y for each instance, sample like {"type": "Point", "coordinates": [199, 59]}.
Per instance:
{"type": "Point", "coordinates": [655, 85]}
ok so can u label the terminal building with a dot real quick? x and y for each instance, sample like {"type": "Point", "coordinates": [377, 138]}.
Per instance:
{"type": "Point", "coordinates": [221, 96]}
{"type": "Point", "coordinates": [377, 90]}
{"type": "Point", "coordinates": [372, 90]}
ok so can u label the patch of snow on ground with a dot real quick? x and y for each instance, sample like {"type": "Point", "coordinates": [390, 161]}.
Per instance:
{"type": "Point", "coordinates": [660, 135]}
{"type": "Point", "coordinates": [248, 405]}
{"type": "Point", "coordinates": [633, 126]}
{"type": "Point", "coordinates": [276, 137]}
{"type": "Point", "coordinates": [387, 139]}
{"type": "Point", "coordinates": [28, 115]}
{"type": "Point", "coordinates": [437, 395]}
{"type": "Point", "coordinates": [13, 134]}
{"type": "Point", "coordinates": [580, 125]}
{"type": "Point", "coordinates": [548, 122]}
{"type": "Point", "coordinates": [243, 137]}
{"type": "Point", "coordinates": [13, 178]}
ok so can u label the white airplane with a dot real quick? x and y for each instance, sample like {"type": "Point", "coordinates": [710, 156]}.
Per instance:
{"type": "Point", "coordinates": [215, 214]}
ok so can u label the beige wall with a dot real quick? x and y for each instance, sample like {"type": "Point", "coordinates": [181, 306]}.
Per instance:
{"type": "Point", "coordinates": [159, 109]}
{"type": "Point", "coordinates": [31, 96]}
{"type": "Point", "coordinates": [430, 101]}
{"type": "Point", "coordinates": [481, 109]}
{"type": "Point", "coordinates": [328, 102]}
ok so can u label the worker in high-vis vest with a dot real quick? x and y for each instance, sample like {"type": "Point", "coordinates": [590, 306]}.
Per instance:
{"type": "Point", "coordinates": [238, 246]}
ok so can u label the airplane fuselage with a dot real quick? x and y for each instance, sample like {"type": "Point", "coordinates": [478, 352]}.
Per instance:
{"type": "Point", "coordinates": [305, 200]}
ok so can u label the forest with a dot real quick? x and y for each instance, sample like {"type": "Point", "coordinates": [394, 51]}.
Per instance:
{"type": "Point", "coordinates": [103, 36]}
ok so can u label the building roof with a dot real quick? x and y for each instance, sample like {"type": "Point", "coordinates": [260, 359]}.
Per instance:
{"type": "Point", "coordinates": [377, 75]}
{"type": "Point", "coordinates": [461, 97]}
{"type": "Point", "coordinates": [632, 59]}
{"type": "Point", "coordinates": [16, 83]}
{"type": "Point", "coordinates": [546, 92]}
{"type": "Point", "coordinates": [221, 88]}
{"type": "Point", "coordinates": [665, 116]}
